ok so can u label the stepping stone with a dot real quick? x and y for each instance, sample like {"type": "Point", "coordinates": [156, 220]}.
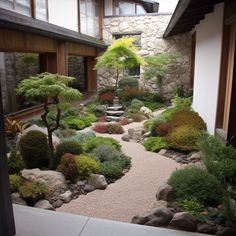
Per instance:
{"type": "Point", "coordinates": [113, 118]}
{"type": "Point", "coordinates": [114, 108]}
{"type": "Point", "coordinates": [115, 113]}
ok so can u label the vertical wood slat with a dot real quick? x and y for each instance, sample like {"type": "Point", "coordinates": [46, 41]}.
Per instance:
{"type": "Point", "coordinates": [7, 225]}
{"type": "Point", "coordinates": [91, 74]}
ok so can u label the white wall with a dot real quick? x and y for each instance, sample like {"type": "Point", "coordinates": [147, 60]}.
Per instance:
{"type": "Point", "coordinates": [207, 66]}
{"type": "Point", "coordinates": [64, 13]}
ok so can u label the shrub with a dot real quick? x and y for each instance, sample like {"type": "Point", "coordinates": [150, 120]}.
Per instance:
{"type": "Point", "coordinates": [155, 144]}
{"type": "Point", "coordinates": [163, 129]}
{"type": "Point", "coordinates": [187, 117]}
{"type": "Point", "coordinates": [137, 116]}
{"type": "Point", "coordinates": [75, 122]}
{"type": "Point", "coordinates": [15, 183]}
{"type": "Point", "coordinates": [72, 147]}
{"type": "Point", "coordinates": [15, 162]}
{"type": "Point", "coordinates": [86, 166]}
{"type": "Point", "coordinates": [181, 102]}
{"type": "Point", "coordinates": [114, 128]}
{"type": "Point", "coordinates": [65, 133]}
{"type": "Point", "coordinates": [169, 112]}
{"type": "Point", "coordinates": [124, 121]}
{"type": "Point", "coordinates": [81, 137]}
{"type": "Point", "coordinates": [33, 191]}
{"type": "Point", "coordinates": [34, 149]}
{"type": "Point", "coordinates": [100, 128]}
{"type": "Point", "coordinates": [220, 160]}
{"type": "Point", "coordinates": [147, 124]}
{"type": "Point", "coordinates": [136, 104]}
{"type": "Point", "coordinates": [98, 110]}
{"type": "Point", "coordinates": [184, 138]}
{"type": "Point", "coordinates": [157, 97]}
{"type": "Point", "coordinates": [111, 169]}
{"type": "Point", "coordinates": [91, 117]}
{"type": "Point", "coordinates": [124, 161]}
{"type": "Point", "coordinates": [193, 206]}
{"type": "Point", "coordinates": [155, 122]}
{"type": "Point", "coordinates": [68, 167]}
{"type": "Point", "coordinates": [129, 93]}
{"type": "Point", "coordinates": [92, 143]}
{"type": "Point", "coordinates": [106, 97]}
{"type": "Point", "coordinates": [107, 89]}
{"type": "Point", "coordinates": [106, 153]}
{"type": "Point", "coordinates": [196, 183]}
{"type": "Point", "coordinates": [128, 82]}
{"type": "Point", "coordinates": [152, 105]}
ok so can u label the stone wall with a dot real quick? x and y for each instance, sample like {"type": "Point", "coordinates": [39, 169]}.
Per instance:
{"type": "Point", "coordinates": [151, 29]}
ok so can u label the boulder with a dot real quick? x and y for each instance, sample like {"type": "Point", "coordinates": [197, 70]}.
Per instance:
{"type": "Point", "coordinates": [66, 196]}
{"type": "Point", "coordinates": [146, 111]}
{"type": "Point", "coordinates": [17, 199]}
{"type": "Point", "coordinates": [125, 138]}
{"type": "Point", "coordinates": [57, 203]}
{"type": "Point", "coordinates": [160, 203]}
{"type": "Point", "coordinates": [97, 181]}
{"type": "Point", "coordinates": [44, 204]}
{"type": "Point", "coordinates": [184, 221]}
{"type": "Point", "coordinates": [53, 179]}
{"type": "Point", "coordinates": [136, 133]}
{"type": "Point", "coordinates": [55, 139]}
{"type": "Point", "coordinates": [206, 228]}
{"type": "Point", "coordinates": [165, 192]}
{"type": "Point", "coordinates": [142, 218]}
{"type": "Point", "coordinates": [162, 152]}
{"type": "Point", "coordinates": [196, 155]}
{"type": "Point", "coordinates": [88, 188]}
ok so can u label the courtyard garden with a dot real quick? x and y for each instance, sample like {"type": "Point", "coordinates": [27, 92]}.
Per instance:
{"type": "Point", "coordinates": [131, 141]}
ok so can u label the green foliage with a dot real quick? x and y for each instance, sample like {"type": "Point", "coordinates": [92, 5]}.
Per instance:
{"type": "Point", "coordinates": [86, 166]}
{"type": "Point", "coordinates": [157, 67]}
{"type": "Point", "coordinates": [111, 169]}
{"type": "Point", "coordinates": [114, 128]}
{"type": "Point", "coordinates": [107, 89]}
{"type": "Point", "coordinates": [98, 110]}
{"type": "Point", "coordinates": [181, 102]}
{"type": "Point", "coordinates": [72, 147]}
{"type": "Point", "coordinates": [155, 144]}
{"type": "Point", "coordinates": [169, 112]}
{"type": "Point", "coordinates": [128, 82]}
{"type": "Point", "coordinates": [184, 138]}
{"type": "Point", "coordinates": [229, 209]}
{"type": "Point", "coordinates": [81, 137]}
{"type": "Point", "coordinates": [136, 104]}
{"type": "Point", "coordinates": [155, 122]}
{"type": "Point", "coordinates": [33, 189]}
{"type": "Point", "coordinates": [15, 183]}
{"type": "Point", "coordinates": [68, 167]}
{"type": "Point", "coordinates": [193, 206]}
{"type": "Point", "coordinates": [124, 161]}
{"type": "Point", "coordinates": [147, 124]}
{"type": "Point", "coordinates": [92, 143]}
{"type": "Point", "coordinates": [47, 84]}
{"type": "Point", "coordinates": [220, 160]}
{"type": "Point", "coordinates": [136, 116]}
{"type": "Point", "coordinates": [152, 105]}
{"type": "Point", "coordinates": [196, 183]}
{"type": "Point", "coordinates": [15, 163]}
{"type": "Point", "coordinates": [65, 133]}
{"type": "Point", "coordinates": [34, 149]}
{"type": "Point", "coordinates": [106, 153]}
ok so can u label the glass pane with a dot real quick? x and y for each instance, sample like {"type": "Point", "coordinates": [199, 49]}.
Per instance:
{"type": "Point", "coordinates": [126, 8]}
{"type": "Point", "coordinates": [140, 9]}
{"type": "Point", "coordinates": [83, 24]}
{"type": "Point", "coordinates": [6, 4]}
{"type": "Point", "coordinates": [41, 9]}
{"type": "Point", "coordinates": [108, 7]}
{"type": "Point", "coordinates": [23, 6]}
{"type": "Point", "coordinates": [82, 6]}
{"type": "Point", "coordinates": [90, 8]}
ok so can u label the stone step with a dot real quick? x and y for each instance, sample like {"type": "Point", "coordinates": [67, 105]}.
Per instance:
{"type": "Point", "coordinates": [115, 113]}
{"type": "Point", "coordinates": [113, 118]}
{"type": "Point", "coordinates": [114, 108]}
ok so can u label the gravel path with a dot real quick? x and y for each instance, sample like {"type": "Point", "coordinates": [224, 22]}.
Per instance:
{"type": "Point", "coordinates": [133, 193]}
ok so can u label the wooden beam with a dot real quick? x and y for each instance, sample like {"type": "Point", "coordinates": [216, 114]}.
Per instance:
{"type": "Point", "coordinates": [62, 57]}
{"type": "Point", "coordinates": [77, 49]}
{"type": "Point", "coordinates": [7, 225]}
{"type": "Point", "coordinates": [91, 74]}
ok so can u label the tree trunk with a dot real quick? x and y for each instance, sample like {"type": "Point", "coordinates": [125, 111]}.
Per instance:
{"type": "Point", "coordinates": [51, 150]}
{"type": "Point", "coordinates": [117, 79]}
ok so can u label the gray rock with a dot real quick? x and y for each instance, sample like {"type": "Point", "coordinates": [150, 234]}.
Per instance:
{"type": "Point", "coordinates": [66, 196]}
{"type": "Point", "coordinates": [114, 108]}
{"type": "Point", "coordinates": [57, 203]}
{"type": "Point", "coordinates": [97, 181]}
{"type": "Point", "coordinates": [17, 199]}
{"type": "Point", "coordinates": [53, 179]}
{"type": "Point", "coordinates": [142, 218]}
{"type": "Point", "coordinates": [196, 155]}
{"type": "Point", "coordinates": [206, 228]}
{"type": "Point", "coordinates": [44, 204]}
{"type": "Point", "coordinates": [147, 134]}
{"type": "Point", "coordinates": [88, 188]}
{"type": "Point", "coordinates": [80, 183]}
{"type": "Point", "coordinates": [115, 113]}
{"type": "Point", "coordinates": [162, 152]}
{"type": "Point", "coordinates": [125, 138]}
{"type": "Point", "coordinates": [165, 192]}
{"type": "Point", "coordinates": [146, 111]}
{"type": "Point", "coordinates": [136, 133]}
{"type": "Point", "coordinates": [184, 221]}
{"type": "Point", "coordinates": [160, 203]}
{"type": "Point", "coordinates": [178, 159]}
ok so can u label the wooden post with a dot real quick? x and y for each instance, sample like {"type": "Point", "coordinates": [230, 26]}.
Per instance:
{"type": "Point", "coordinates": [91, 74]}
{"type": "Point", "coordinates": [7, 225]}
{"type": "Point", "coordinates": [62, 56]}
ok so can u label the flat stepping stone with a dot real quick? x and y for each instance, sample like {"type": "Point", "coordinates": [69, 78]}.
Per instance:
{"type": "Point", "coordinates": [115, 113]}
{"type": "Point", "coordinates": [114, 108]}
{"type": "Point", "coordinates": [113, 118]}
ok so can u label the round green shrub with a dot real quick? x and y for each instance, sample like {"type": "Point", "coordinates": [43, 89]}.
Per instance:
{"type": "Point", "coordinates": [15, 162]}
{"type": "Point", "coordinates": [72, 147]}
{"type": "Point", "coordinates": [34, 149]}
{"type": "Point", "coordinates": [128, 82]}
{"type": "Point", "coordinates": [136, 104]}
{"type": "Point", "coordinates": [169, 112]}
{"type": "Point", "coordinates": [81, 137]}
{"type": "Point", "coordinates": [68, 167]}
{"type": "Point", "coordinates": [106, 152]}
{"type": "Point", "coordinates": [91, 117]}
{"type": "Point", "coordinates": [155, 122]}
{"type": "Point", "coordinates": [124, 161]}
{"type": "Point", "coordinates": [193, 206]}
{"type": "Point", "coordinates": [94, 142]}
{"type": "Point", "coordinates": [184, 138]}
{"type": "Point", "coordinates": [15, 183]}
{"type": "Point", "coordinates": [196, 183]}
{"type": "Point", "coordinates": [155, 144]}
{"type": "Point", "coordinates": [65, 133]}
{"type": "Point", "coordinates": [86, 166]}
{"type": "Point", "coordinates": [111, 169]}
{"type": "Point", "coordinates": [74, 122]}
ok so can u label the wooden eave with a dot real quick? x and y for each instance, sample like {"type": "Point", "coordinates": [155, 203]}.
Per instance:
{"type": "Point", "coordinates": [19, 22]}
{"type": "Point", "coordinates": [187, 14]}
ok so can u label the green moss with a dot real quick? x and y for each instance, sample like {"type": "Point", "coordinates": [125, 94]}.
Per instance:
{"type": "Point", "coordinates": [155, 144]}
{"type": "Point", "coordinates": [15, 183]}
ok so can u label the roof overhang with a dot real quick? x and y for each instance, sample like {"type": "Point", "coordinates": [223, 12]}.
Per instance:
{"type": "Point", "coordinates": [150, 6]}
{"type": "Point", "coordinates": [187, 14]}
{"type": "Point", "coordinates": [19, 22]}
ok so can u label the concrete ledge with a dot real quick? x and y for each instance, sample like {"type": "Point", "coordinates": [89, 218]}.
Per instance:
{"type": "Point", "coordinates": [38, 222]}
